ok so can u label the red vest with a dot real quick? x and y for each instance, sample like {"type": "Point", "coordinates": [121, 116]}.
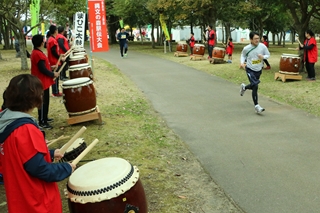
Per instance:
{"type": "Point", "coordinates": [313, 53]}
{"type": "Point", "coordinates": [230, 47]}
{"type": "Point", "coordinates": [36, 56]}
{"type": "Point", "coordinates": [65, 43]}
{"type": "Point", "coordinates": [26, 193]}
{"type": "Point", "coordinates": [50, 43]}
{"type": "Point", "coordinates": [192, 41]}
{"type": "Point", "coordinates": [211, 41]}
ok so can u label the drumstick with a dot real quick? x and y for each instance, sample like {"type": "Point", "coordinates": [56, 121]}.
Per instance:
{"type": "Point", "coordinates": [70, 142]}
{"type": "Point", "coordinates": [57, 64]}
{"type": "Point", "coordinates": [64, 64]}
{"type": "Point", "coordinates": [76, 161]}
{"type": "Point", "coordinates": [69, 51]}
{"type": "Point", "coordinates": [297, 39]}
{"type": "Point", "coordinates": [55, 140]}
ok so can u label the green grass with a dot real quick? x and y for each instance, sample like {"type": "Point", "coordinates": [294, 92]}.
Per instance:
{"type": "Point", "coordinates": [300, 94]}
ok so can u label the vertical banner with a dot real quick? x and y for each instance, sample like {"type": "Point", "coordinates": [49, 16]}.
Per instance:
{"type": "Point", "coordinates": [43, 29]}
{"type": "Point", "coordinates": [164, 27]}
{"type": "Point", "coordinates": [79, 28]}
{"type": "Point", "coordinates": [35, 11]}
{"type": "Point", "coordinates": [98, 26]}
{"type": "Point", "coordinates": [121, 23]}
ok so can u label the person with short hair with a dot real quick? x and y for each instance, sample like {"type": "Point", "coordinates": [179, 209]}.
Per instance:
{"type": "Point", "coordinates": [53, 56]}
{"type": "Point", "coordinates": [122, 37]}
{"type": "Point", "coordinates": [229, 50]}
{"type": "Point", "coordinates": [40, 68]}
{"type": "Point", "coordinates": [29, 173]}
{"type": "Point", "coordinates": [265, 41]}
{"type": "Point", "coordinates": [191, 42]}
{"type": "Point", "coordinates": [253, 54]}
{"type": "Point", "coordinates": [211, 40]}
{"type": "Point", "coordinates": [310, 56]}
{"type": "Point", "coordinates": [63, 48]}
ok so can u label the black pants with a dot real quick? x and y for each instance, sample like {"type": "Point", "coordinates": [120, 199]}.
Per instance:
{"type": "Point", "coordinates": [254, 79]}
{"type": "Point", "coordinates": [125, 47]}
{"type": "Point", "coordinates": [191, 50]}
{"type": "Point", "coordinates": [63, 73]}
{"type": "Point", "coordinates": [210, 49]}
{"type": "Point", "coordinates": [55, 86]}
{"type": "Point", "coordinates": [44, 110]}
{"type": "Point", "coordinates": [266, 61]}
{"type": "Point", "coordinates": [310, 70]}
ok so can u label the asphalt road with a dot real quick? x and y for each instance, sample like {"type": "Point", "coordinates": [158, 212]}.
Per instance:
{"type": "Point", "coordinates": [267, 163]}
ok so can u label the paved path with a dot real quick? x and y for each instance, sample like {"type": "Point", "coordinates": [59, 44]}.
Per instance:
{"type": "Point", "coordinates": [267, 163]}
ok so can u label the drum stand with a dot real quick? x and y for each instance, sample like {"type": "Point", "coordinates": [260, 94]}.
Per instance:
{"type": "Point", "coordinates": [195, 57]}
{"type": "Point", "coordinates": [217, 61]}
{"type": "Point", "coordinates": [284, 76]}
{"type": "Point", "coordinates": [178, 54]}
{"type": "Point", "coordinates": [95, 115]}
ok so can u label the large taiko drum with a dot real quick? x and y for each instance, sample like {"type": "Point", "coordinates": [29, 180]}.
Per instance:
{"type": "Point", "coordinates": [107, 185]}
{"type": "Point", "coordinates": [77, 59]}
{"type": "Point", "coordinates": [74, 150]}
{"type": "Point", "coordinates": [83, 54]}
{"type": "Point", "coordinates": [289, 64]}
{"type": "Point", "coordinates": [218, 52]}
{"type": "Point", "coordinates": [182, 47]}
{"type": "Point", "coordinates": [79, 96]}
{"type": "Point", "coordinates": [198, 49]}
{"type": "Point", "coordinates": [80, 70]}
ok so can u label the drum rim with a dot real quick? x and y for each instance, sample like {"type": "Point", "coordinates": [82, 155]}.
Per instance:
{"type": "Point", "coordinates": [76, 82]}
{"type": "Point", "coordinates": [76, 57]}
{"type": "Point", "coordinates": [219, 48]}
{"type": "Point", "coordinates": [288, 54]}
{"type": "Point", "coordinates": [73, 67]}
{"type": "Point", "coordinates": [104, 192]}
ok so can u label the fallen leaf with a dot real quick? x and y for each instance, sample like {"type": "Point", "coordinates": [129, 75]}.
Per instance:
{"type": "Point", "coordinates": [182, 197]}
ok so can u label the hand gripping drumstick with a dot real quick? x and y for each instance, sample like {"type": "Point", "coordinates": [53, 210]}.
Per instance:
{"type": "Point", "coordinates": [55, 140]}
{"type": "Point", "coordinates": [64, 64]}
{"type": "Point", "coordinates": [77, 160]}
{"type": "Point", "coordinates": [70, 142]}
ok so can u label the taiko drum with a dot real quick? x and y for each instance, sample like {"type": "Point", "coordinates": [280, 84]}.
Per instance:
{"type": "Point", "coordinates": [218, 52]}
{"type": "Point", "coordinates": [79, 96]}
{"type": "Point", "coordinates": [289, 63]}
{"type": "Point", "coordinates": [182, 47]}
{"type": "Point", "coordinates": [80, 70]}
{"type": "Point", "coordinates": [198, 49]}
{"type": "Point", "coordinates": [107, 185]}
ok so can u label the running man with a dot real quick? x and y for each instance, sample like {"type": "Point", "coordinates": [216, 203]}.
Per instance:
{"type": "Point", "coordinates": [253, 54]}
{"type": "Point", "coordinates": [123, 41]}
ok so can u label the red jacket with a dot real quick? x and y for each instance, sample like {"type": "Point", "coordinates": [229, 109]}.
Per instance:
{"type": "Point", "coordinates": [266, 43]}
{"type": "Point", "coordinates": [50, 43]}
{"type": "Point", "coordinates": [36, 56]}
{"type": "Point", "coordinates": [313, 53]}
{"type": "Point", "coordinates": [230, 47]}
{"type": "Point", "coordinates": [26, 193]}
{"type": "Point", "coordinates": [65, 43]}
{"type": "Point", "coordinates": [192, 42]}
{"type": "Point", "coordinates": [212, 38]}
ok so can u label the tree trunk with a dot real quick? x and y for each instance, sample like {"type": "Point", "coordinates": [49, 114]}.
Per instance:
{"type": "Point", "coordinates": [113, 26]}
{"type": "Point", "coordinates": [284, 39]}
{"type": "Point", "coordinates": [152, 35]}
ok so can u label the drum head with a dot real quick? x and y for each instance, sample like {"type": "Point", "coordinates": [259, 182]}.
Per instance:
{"type": "Point", "coordinates": [102, 179]}
{"type": "Point", "coordinates": [219, 48]}
{"type": "Point", "coordinates": [200, 45]}
{"type": "Point", "coordinates": [77, 66]}
{"type": "Point", "coordinates": [76, 81]}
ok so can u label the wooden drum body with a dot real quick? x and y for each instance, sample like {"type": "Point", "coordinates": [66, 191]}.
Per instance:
{"type": "Point", "coordinates": [74, 150]}
{"type": "Point", "coordinates": [198, 49]}
{"type": "Point", "coordinates": [182, 47]}
{"type": "Point", "coordinates": [75, 60]}
{"type": "Point", "coordinates": [218, 52]}
{"type": "Point", "coordinates": [80, 70]}
{"type": "Point", "coordinates": [79, 96]}
{"type": "Point", "coordinates": [108, 185]}
{"type": "Point", "coordinates": [289, 64]}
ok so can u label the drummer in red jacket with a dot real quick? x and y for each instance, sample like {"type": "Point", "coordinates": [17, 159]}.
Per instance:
{"type": "Point", "coordinates": [211, 40]}
{"type": "Point", "coordinates": [265, 41]}
{"type": "Point", "coordinates": [310, 54]}
{"type": "Point", "coordinates": [40, 67]}
{"type": "Point", "coordinates": [229, 50]}
{"type": "Point", "coordinates": [191, 43]}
